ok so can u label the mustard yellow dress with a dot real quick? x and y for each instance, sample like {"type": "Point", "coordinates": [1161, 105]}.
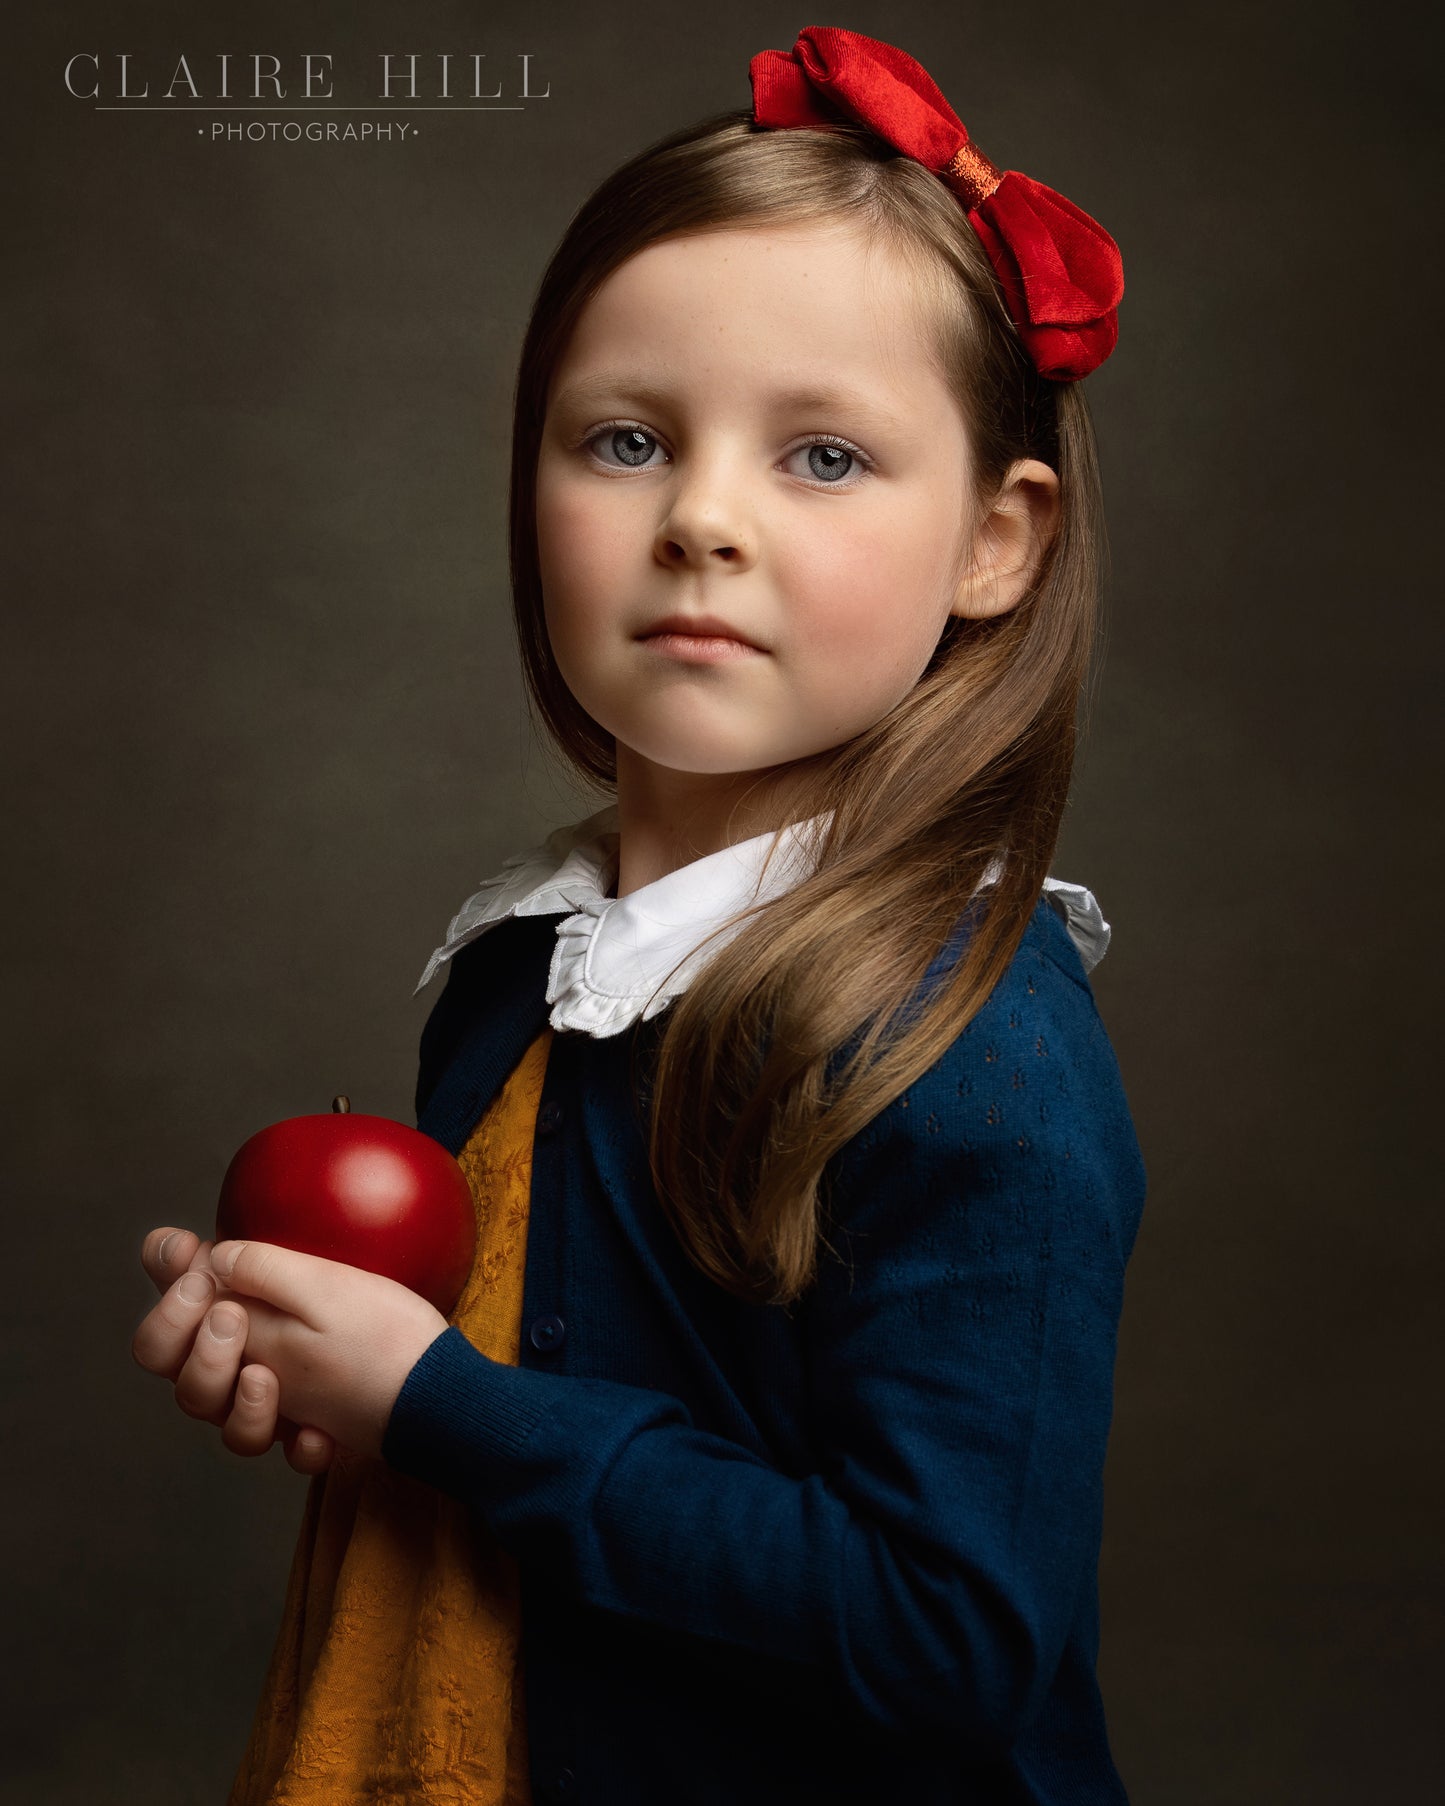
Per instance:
{"type": "Point", "coordinates": [396, 1675]}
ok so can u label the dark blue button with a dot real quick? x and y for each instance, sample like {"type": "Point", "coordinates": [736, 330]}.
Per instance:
{"type": "Point", "coordinates": [549, 1117]}
{"type": "Point", "coordinates": [564, 1785]}
{"type": "Point", "coordinates": [548, 1333]}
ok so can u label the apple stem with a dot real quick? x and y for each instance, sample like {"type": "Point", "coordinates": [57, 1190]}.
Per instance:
{"type": "Point", "coordinates": [341, 1104]}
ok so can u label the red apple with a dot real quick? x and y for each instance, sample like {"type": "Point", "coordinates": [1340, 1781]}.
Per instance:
{"type": "Point", "coordinates": [360, 1189]}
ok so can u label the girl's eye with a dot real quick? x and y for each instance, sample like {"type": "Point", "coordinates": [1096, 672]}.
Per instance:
{"type": "Point", "coordinates": [632, 446]}
{"type": "Point", "coordinates": [831, 460]}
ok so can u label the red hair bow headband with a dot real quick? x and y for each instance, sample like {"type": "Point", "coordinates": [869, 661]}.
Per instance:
{"type": "Point", "coordinates": [1061, 273]}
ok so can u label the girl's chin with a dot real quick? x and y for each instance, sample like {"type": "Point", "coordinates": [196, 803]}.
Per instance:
{"type": "Point", "coordinates": [685, 756]}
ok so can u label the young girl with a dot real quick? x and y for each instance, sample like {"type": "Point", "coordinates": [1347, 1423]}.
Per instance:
{"type": "Point", "coordinates": [761, 1459]}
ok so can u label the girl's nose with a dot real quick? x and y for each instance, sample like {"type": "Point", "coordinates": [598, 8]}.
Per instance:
{"type": "Point", "coordinates": [706, 524]}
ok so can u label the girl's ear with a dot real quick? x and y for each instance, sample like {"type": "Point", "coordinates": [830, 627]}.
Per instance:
{"type": "Point", "coordinates": [1010, 541]}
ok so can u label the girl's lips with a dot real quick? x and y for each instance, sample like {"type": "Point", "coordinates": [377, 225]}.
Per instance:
{"type": "Point", "coordinates": [700, 649]}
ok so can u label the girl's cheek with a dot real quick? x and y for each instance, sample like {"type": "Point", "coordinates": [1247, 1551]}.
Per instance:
{"type": "Point", "coordinates": [575, 533]}
{"type": "Point", "coordinates": [845, 554]}
{"type": "Point", "coordinates": [845, 603]}
{"type": "Point", "coordinates": [557, 524]}
{"type": "Point", "coordinates": [563, 502]}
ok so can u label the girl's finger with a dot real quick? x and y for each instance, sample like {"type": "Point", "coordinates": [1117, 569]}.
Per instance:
{"type": "Point", "coordinates": [206, 1383]}
{"type": "Point", "coordinates": [251, 1427]}
{"type": "Point", "coordinates": [297, 1283]}
{"type": "Point", "coordinates": [163, 1341]}
{"type": "Point", "coordinates": [308, 1450]}
{"type": "Point", "coordinates": [167, 1253]}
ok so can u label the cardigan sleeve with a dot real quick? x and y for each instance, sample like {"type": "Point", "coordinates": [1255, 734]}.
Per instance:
{"type": "Point", "coordinates": [960, 1352]}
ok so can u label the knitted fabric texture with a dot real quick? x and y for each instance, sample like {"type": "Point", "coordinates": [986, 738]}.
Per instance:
{"type": "Point", "coordinates": [846, 1553]}
{"type": "Point", "coordinates": [396, 1674]}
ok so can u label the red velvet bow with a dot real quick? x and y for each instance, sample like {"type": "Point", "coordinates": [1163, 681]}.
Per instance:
{"type": "Point", "coordinates": [1061, 273]}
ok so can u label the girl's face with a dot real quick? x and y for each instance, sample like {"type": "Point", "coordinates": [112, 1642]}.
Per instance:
{"type": "Point", "coordinates": [748, 425]}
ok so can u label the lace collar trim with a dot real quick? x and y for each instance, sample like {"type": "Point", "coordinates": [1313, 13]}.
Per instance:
{"type": "Point", "coordinates": [618, 959]}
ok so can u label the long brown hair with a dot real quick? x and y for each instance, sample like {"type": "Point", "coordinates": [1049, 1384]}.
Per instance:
{"type": "Point", "coordinates": [749, 1094]}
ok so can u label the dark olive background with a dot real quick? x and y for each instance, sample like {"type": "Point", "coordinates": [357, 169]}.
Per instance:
{"type": "Point", "coordinates": [265, 731]}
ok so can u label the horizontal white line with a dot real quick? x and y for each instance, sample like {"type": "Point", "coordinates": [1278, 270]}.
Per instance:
{"type": "Point", "coordinates": [283, 109]}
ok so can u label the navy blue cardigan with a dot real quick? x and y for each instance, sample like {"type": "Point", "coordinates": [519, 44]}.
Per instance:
{"type": "Point", "coordinates": [844, 1552]}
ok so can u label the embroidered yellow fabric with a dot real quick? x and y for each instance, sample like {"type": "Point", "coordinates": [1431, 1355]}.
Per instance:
{"type": "Point", "coordinates": [396, 1675]}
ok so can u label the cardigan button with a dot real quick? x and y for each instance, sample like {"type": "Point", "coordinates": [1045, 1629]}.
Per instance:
{"type": "Point", "coordinates": [564, 1785]}
{"type": "Point", "coordinates": [549, 1117]}
{"type": "Point", "coordinates": [548, 1333]}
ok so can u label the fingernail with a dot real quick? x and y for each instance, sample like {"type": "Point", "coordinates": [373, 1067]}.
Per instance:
{"type": "Point", "coordinates": [167, 1245]}
{"type": "Point", "coordinates": [194, 1288]}
{"type": "Point", "coordinates": [253, 1391]}
{"type": "Point", "coordinates": [223, 1328]}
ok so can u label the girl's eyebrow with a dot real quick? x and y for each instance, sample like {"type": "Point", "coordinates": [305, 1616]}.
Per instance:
{"type": "Point", "coordinates": [593, 390]}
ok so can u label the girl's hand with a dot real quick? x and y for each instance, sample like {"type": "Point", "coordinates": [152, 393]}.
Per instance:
{"type": "Point", "coordinates": [179, 1341]}
{"type": "Point", "coordinates": [340, 1341]}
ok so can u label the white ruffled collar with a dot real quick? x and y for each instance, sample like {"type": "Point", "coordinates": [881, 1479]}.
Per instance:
{"type": "Point", "coordinates": [618, 959]}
